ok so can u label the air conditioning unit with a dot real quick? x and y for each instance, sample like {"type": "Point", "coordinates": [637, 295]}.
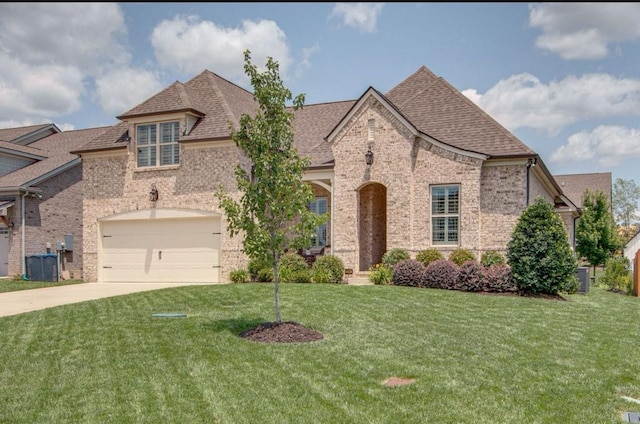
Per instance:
{"type": "Point", "coordinates": [583, 276]}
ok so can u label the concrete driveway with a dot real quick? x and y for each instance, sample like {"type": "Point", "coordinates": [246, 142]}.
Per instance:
{"type": "Point", "coordinates": [17, 302]}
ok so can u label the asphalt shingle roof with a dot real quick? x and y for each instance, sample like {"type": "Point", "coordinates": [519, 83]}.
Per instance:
{"type": "Point", "coordinates": [574, 185]}
{"type": "Point", "coordinates": [56, 148]}
{"type": "Point", "coordinates": [431, 104]}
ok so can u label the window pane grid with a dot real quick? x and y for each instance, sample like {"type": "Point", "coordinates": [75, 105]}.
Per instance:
{"type": "Point", "coordinates": [445, 206]}
{"type": "Point", "coordinates": [158, 142]}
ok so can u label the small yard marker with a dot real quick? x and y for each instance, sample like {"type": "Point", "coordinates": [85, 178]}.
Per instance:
{"type": "Point", "coordinates": [631, 417]}
{"type": "Point", "coordinates": [170, 315]}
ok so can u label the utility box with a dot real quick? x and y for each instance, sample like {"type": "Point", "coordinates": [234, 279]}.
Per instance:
{"type": "Point", "coordinates": [42, 267]}
{"type": "Point", "coordinates": [583, 276]}
{"type": "Point", "coordinates": [68, 242]}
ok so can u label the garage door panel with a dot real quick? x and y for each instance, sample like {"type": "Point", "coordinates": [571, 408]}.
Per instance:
{"type": "Point", "coordinates": [161, 250]}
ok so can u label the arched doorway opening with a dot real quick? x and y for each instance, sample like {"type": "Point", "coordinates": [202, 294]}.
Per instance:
{"type": "Point", "coordinates": [372, 224]}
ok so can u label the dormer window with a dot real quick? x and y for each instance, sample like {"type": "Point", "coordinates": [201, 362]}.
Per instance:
{"type": "Point", "coordinates": [157, 144]}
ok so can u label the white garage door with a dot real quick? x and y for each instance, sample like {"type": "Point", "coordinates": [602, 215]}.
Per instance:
{"type": "Point", "coordinates": [161, 250]}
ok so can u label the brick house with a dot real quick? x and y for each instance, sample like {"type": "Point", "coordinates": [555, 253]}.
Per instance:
{"type": "Point", "coordinates": [41, 196]}
{"type": "Point", "coordinates": [420, 166]}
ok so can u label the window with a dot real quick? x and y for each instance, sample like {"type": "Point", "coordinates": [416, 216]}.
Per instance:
{"type": "Point", "coordinates": [445, 214]}
{"type": "Point", "coordinates": [319, 206]}
{"type": "Point", "coordinates": [158, 144]}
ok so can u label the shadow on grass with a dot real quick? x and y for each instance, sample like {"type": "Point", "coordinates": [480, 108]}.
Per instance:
{"type": "Point", "coordinates": [235, 326]}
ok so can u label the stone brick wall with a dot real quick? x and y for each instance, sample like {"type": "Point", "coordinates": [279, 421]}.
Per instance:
{"type": "Point", "coordinates": [114, 185]}
{"type": "Point", "coordinates": [48, 220]}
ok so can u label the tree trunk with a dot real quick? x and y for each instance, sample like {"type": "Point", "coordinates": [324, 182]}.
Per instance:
{"type": "Point", "coordinates": [275, 285]}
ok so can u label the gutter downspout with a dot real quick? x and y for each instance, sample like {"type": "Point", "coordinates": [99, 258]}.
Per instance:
{"type": "Point", "coordinates": [530, 163]}
{"type": "Point", "coordinates": [22, 223]}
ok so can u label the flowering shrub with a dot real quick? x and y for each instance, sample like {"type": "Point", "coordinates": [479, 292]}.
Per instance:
{"type": "Point", "coordinates": [380, 274]}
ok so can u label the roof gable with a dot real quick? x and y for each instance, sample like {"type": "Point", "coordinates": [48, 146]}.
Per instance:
{"type": "Point", "coordinates": [437, 109]}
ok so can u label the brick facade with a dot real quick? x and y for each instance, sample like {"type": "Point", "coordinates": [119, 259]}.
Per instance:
{"type": "Point", "coordinates": [48, 220]}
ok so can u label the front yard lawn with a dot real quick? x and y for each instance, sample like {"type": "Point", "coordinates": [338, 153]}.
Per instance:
{"type": "Point", "coordinates": [14, 284]}
{"type": "Point", "coordinates": [472, 358]}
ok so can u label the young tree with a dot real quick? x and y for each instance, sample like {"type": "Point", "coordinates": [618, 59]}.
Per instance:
{"type": "Point", "coordinates": [539, 252]}
{"type": "Point", "coordinates": [626, 194]}
{"type": "Point", "coordinates": [272, 212]}
{"type": "Point", "coordinates": [596, 234]}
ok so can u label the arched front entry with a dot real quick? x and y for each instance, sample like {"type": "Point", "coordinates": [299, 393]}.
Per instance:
{"type": "Point", "coordinates": [372, 224]}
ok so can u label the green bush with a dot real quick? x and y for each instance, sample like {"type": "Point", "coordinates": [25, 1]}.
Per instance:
{"type": "Point", "coordinates": [617, 275]}
{"type": "Point", "coordinates": [292, 268]}
{"type": "Point", "coordinates": [429, 255]}
{"type": "Point", "coordinates": [393, 256]}
{"type": "Point", "coordinates": [239, 276]}
{"type": "Point", "coordinates": [491, 257]}
{"type": "Point", "coordinates": [539, 252]}
{"type": "Point", "coordinates": [408, 272]}
{"type": "Point", "coordinates": [255, 265]}
{"type": "Point", "coordinates": [265, 275]}
{"type": "Point", "coordinates": [381, 275]}
{"type": "Point", "coordinates": [327, 269]}
{"type": "Point", "coordinates": [461, 255]}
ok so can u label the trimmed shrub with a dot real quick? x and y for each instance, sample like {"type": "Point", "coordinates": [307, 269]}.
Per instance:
{"type": "Point", "coordinates": [491, 257]}
{"type": "Point", "coordinates": [381, 275]}
{"type": "Point", "coordinates": [327, 269]}
{"type": "Point", "coordinates": [539, 252]}
{"type": "Point", "coordinates": [291, 267]}
{"type": "Point", "coordinates": [239, 276]}
{"type": "Point", "coordinates": [471, 276]}
{"type": "Point", "coordinates": [617, 274]}
{"type": "Point", "coordinates": [255, 265]}
{"type": "Point", "coordinates": [393, 256]}
{"type": "Point", "coordinates": [441, 274]}
{"type": "Point", "coordinates": [498, 279]}
{"type": "Point", "coordinates": [429, 255]}
{"type": "Point", "coordinates": [265, 275]}
{"type": "Point", "coordinates": [408, 272]}
{"type": "Point", "coordinates": [461, 255]}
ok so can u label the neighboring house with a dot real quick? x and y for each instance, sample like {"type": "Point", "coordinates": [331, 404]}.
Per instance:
{"type": "Point", "coordinates": [41, 196]}
{"type": "Point", "coordinates": [574, 185]}
{"type": "Point", "coordinates": [420, 166]}
{"type": "Point", "coordinates": [631, 248]}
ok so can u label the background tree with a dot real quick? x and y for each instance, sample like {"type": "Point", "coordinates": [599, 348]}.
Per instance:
{"type": "Point", "coordinates": [596, 234]}
{"type": "Point", "coordinates": [539, 252]}
{"type": "Point", "coordinates": [626, 194]}
{"type": "Point", "coordinates": [272, 212]}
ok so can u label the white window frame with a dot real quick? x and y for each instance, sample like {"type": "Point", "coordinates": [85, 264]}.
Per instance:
{"type": "Point", "coordinates": [160, 142]}
{"type": "Point", "coordinates": [448, 215]}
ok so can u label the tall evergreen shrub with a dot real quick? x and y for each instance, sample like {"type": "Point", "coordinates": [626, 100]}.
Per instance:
{"type": "Point", "coordinates": [539, 252]}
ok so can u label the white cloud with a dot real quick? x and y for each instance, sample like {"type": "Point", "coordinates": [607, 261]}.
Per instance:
{"type": "Point", "coordinates": [73, 34]}
{"type": "Point", "coordinates": [38, 91]}
{"type": "Point", "coordinates": [122, 89]}
{"type": "Point", "coordinates": [49, 52]}
{"type": "Point", "coordinates": [192, 45]}
{"type": "Point", "coordinates": [524, 101]}
{"type": "Point", "coordinates": [362, 16]}
{"type": "Point", "coordinates": [611, 145]}
{"type": "Point", "coordinates": [584, 30]}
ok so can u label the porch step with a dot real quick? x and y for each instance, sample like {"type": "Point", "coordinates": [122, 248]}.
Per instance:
{"type": "Point", "coordinates": [359, 279]}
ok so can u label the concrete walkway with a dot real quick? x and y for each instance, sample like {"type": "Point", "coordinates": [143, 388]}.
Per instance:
{"type": "Point", "coordinates": [17, 302]}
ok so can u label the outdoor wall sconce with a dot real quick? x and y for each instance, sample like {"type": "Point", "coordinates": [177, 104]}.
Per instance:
{"type": "Point", "coordinates": [153, 194]}
{"type": "Point", "coordinates": [368, 157]}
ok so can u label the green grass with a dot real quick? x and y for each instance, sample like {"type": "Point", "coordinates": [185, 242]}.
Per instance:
{"type": "Point", "coordinates": [7, 285]}
{"type": "Point", "coordinates": [474, 358]}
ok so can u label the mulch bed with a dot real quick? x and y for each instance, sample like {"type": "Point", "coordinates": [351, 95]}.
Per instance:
{"type": "Point", "coordinates": [281, 332]}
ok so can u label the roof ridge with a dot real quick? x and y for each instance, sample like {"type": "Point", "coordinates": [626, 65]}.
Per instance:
{"type": "Point", "coordinates": [223, 101]}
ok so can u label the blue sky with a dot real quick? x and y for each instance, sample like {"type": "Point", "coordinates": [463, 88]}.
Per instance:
{"type": "Point", "coordinates": [563, 77]}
